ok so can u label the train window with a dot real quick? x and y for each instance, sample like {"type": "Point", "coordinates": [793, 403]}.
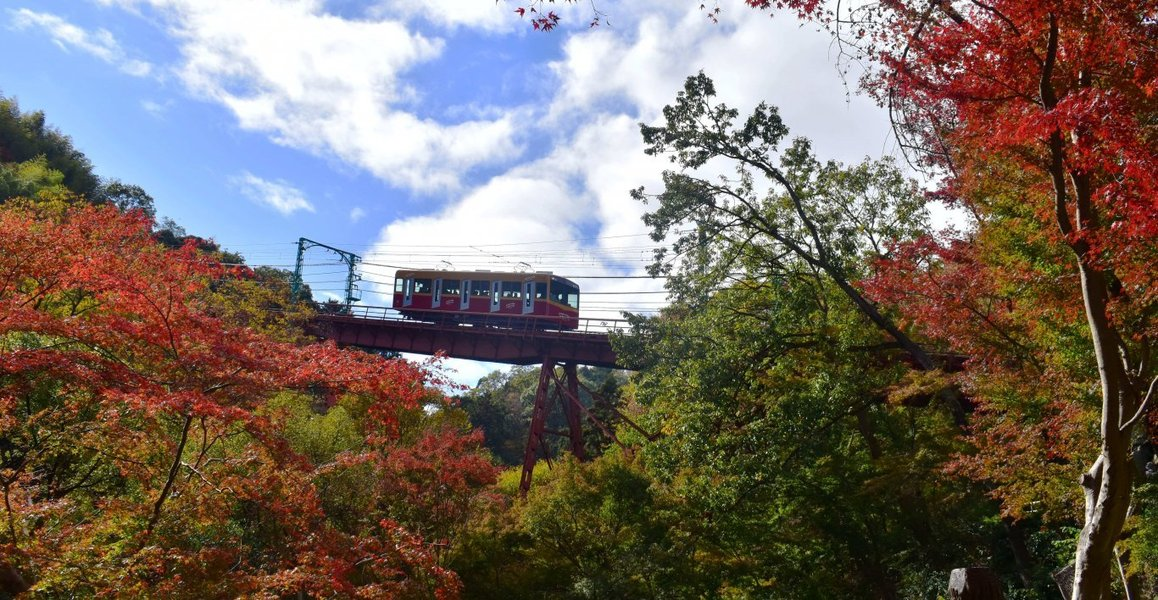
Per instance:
{"type": "Point", "coordinates": [398, 283]}
{"type": "Point", "coordinates": [564, 293]}
{"type": "Point", "coordinates": [511, 289]}
{"type": "Point", "coordinates": [480, 288]}
{"type": "Point", "coordinates": [450, 287]}
{"type": "Point", "coordinates": [541, 290]}
{"type": "Point", "coordinates": [422, 286]}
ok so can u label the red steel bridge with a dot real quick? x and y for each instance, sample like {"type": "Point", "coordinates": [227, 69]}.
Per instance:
{"type": "Point", "coordinates": [500, 339]}
{"type": "Point", "coordinates": [490, 338]}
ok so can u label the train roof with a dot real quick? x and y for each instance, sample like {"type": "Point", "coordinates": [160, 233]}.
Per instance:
{"type": "Point", "coordinates": [483, 274]}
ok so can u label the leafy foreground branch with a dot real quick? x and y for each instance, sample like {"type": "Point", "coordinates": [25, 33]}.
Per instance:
{"type": "Point", "coordinates": [785, 272]}
{"type": "Point", "coordinates": [1058, 96]}
{"type": "Point", "coordinates": [151, 444]}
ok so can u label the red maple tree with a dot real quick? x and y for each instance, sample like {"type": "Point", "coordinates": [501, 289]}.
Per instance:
{"type": "Point", "coordinates": [140, 453]}
{"type": "Point", "coordinates": [1059, 95]}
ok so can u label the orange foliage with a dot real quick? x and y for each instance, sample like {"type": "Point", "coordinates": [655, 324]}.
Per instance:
{"type": "Point", "coordinates": [137, 456]}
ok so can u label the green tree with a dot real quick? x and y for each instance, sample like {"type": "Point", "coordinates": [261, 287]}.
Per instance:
{"type": "Point", "coordinates": [811, 463]}
{"type": "Point", "coordinates": [792, 419]}
{"type": "Point", "coordinates": [502, 402]}
{"type": "Point", "coordinates": [598, 530]}
{"type": "Point", "coordinates": [37, 161]}
{"type": "Point", "coordinates": [770, 214]}
{"type": "Point", "coordinates": [500, 405]}
{"type": "Point", "coordinates": [126, 197]}
{"type": "Point", "coordinates": [30, 179]}
{"type": "Point", "coordinates": [1063, 92]}
{"type": "Point", "coordinates": [25, 136]}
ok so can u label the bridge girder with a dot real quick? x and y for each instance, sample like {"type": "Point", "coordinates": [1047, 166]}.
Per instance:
{"type": "Point", "coordinates": [506, 345]}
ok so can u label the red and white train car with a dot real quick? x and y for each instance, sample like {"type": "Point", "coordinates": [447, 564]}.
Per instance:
{"type": "Point", "coordinates": [505, 298]}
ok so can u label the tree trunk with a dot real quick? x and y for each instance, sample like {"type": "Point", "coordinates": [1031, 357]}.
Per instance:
{"type": "Point", "coordinates": [916, 352]}
{"type": "Point", "coordinates": [974, 583]}
{"type": "Point", "coordinates": [864, 425]}
{"type": "Point", "coordinates": [11, 581]}
{"type": "Point", "coordinates": [1021, 555]}
{"type": "Point", "coordinates": [1107, 484]}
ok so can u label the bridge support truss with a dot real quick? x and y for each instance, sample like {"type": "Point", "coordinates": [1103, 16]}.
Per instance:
{"type": "Point", "coordinates": [553, 389]}
{"type": "Point", "coordinates": [563, 390]}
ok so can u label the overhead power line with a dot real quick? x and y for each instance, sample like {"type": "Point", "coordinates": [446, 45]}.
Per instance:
{"type": "Point", "coordinates": [495, 245]}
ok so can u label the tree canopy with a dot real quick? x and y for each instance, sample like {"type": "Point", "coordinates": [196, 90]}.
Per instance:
{"type": "Point", "coordinates": [36, 159]}
{"type": "Point", "coordinates": [842, 401]}
{"type": "Point", "coordinates": [154, 444]}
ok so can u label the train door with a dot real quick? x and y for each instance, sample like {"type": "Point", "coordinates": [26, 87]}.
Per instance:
{"type": "Point", "coordinates": [436, 297]}
{"type": "Point", "coordinates": [408, 291]}
{"type": "Point", "coordinates": [528, 297]}
{"type": "Point", "coordinates": [464, 295]}
{"type": "Point", "coordinates": [496, 289]}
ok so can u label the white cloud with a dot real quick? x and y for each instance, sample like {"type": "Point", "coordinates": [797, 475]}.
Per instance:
{"type": "Point", "coordinates": [751, 58]}
{"type": "Point", "coordinates": [278, 195]}
{"type": "Point", "coordinates": [344, 88]}
{"type": "Point", "coordinates": [332, 86]}
{"type": "Point", "coordinates": [347, 89]}
{"type": "Point", "coordinates": [537, 213]}
{"type": "Point", "coordinates": [157, 109]}
{"type": "Point", "coordinates": [460, 371]}
{"type": "Point", "coordinates": [489, 16]}
{"type": "Point", "coordinates": [607, 81]}
{"type": "Point", "coordinates": [99, 43]}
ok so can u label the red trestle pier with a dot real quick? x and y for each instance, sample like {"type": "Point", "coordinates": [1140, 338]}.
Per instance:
{"type": "Point", "coordinates": [494, 338]}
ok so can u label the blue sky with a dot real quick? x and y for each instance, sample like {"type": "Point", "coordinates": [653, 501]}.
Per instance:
{"type": "Point", "coordinates": [411, 132]}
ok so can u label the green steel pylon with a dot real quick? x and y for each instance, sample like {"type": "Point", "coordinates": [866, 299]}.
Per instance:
{"type": "Point", "coordinates": [349, 258]}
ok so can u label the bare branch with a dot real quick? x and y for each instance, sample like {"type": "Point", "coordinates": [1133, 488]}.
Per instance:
{"type": "Point", "coordinates": [1141, 407]}
{"type": "Point", "coordinates": [176, 466]}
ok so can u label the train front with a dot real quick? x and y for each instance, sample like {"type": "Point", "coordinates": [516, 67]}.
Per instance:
{"type": "Point", "coordinates": [563, 307]}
